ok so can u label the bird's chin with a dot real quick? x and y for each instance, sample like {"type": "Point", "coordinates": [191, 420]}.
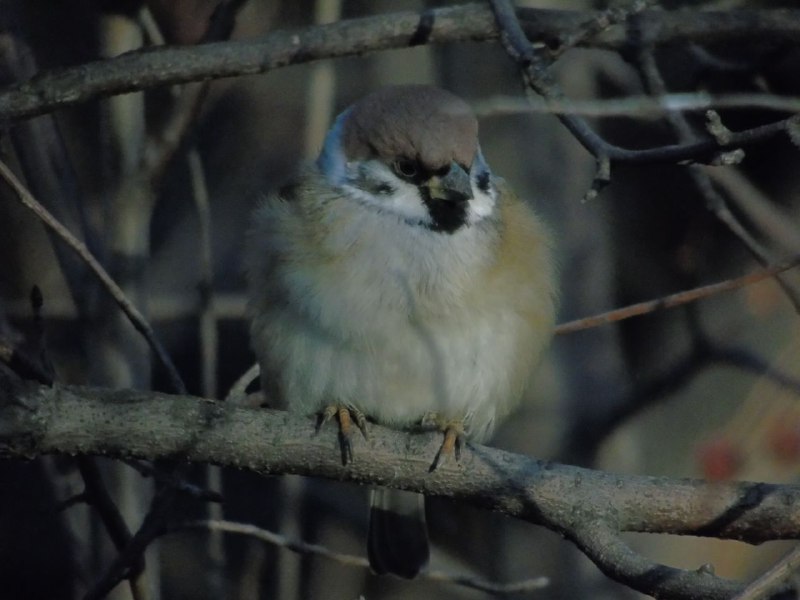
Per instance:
{"type": "Point", "coordinates": [447, 216]}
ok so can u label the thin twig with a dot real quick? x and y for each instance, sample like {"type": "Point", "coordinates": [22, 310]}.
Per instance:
{"type": "Point", "coordinates": [321, 95]}
{"type": "Point", "coordinates": [133, 314]}
{"type": "Point", "coordinates": [74, 500]}
{"type": "Point", "coordinates": [535, 63]}
{"type": "Point", "coordinates": [673, 300]}
{"type": "Point", "coordinates": [47, 168]}
{"type": "Point", "coordinates": [97, 497]}
{"type": "Point", "coordinates": [599, 23]}
{"type": "Point", "coordinates": [135, 548]}
{"type": "Point", "coordinates": [238, 392]}
{"type": "Point", "coordinates": [179, 485]}
{"type": "Point", "coordinates": [350, 560]}
{"type": "Point", "coordinates": [208, 323]}
{"type": "Point", "coordinates": [22, 364]}
{"type": "Point", "coordinates": [748, 361]}
{"type": "Point", "coordinates": [159, 150]}
{"type": "Point", "coordinates": [776, 576]}
{"type": "Point", "coordinates": [95, 492]}
{"type": "Point", "coordinates": [100, 499]}
{"type": "Point", "coordinates": [636, 105]}
{"type": "Point", "coordinates": [715, 202]}
{"type": "Point", "coordinates": [776, 223]}
{"type": "Point", "coordinates": [162, 146]}
{"type": "Point", "coordinates": [209, 344]}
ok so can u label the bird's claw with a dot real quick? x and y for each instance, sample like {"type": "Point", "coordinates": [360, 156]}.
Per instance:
{"type": "Point", "coordinates": [453, 431]}
{"type": "Point", "coordinates": [345, 415]}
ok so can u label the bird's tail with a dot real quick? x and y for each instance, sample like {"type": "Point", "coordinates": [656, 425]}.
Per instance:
{"type": "Point", "coordinates": [398, 535]}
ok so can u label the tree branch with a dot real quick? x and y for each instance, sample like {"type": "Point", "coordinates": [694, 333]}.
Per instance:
{"type": "Point", "coordinates": [618, 561]}
{"type": "Point", "coordinates": [470, 22]}
{"type": "Point", "coordinates": [535, 62]}
{"type": "Point", "coordinates": [36, 420]}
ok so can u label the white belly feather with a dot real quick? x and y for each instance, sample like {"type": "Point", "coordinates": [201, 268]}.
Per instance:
{"type": "Point", "coordinates": [397, 377]}
{"type": "Point", "coordinates": [398, 327]}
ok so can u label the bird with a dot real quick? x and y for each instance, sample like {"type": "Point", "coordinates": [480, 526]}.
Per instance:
{"type": "Point", "coordinates": [396, 279]}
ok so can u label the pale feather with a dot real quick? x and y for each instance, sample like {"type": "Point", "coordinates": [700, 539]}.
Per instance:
{"type": "Point", "coordinates": [356, 306]}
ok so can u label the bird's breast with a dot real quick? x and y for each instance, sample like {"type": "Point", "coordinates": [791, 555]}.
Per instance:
{"type": "Point", "coordinates": [400, 321]}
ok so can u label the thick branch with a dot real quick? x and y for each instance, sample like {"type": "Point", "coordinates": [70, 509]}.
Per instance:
{"type": "Point", "coordinates": [40, 420]}
{"type": "Point", "coordinates": [36, 420]}
{"type": "Point", "coordinates": [164, 66]}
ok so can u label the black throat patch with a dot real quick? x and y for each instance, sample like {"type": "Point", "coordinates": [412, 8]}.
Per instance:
{"type": "Point", "coordinates": [448, 215]}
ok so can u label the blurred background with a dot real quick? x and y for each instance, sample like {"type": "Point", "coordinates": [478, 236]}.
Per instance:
{"type": "Point", "coordinates": [160, 186]}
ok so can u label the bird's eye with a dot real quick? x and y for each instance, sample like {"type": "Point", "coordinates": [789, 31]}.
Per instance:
{"type": "Point", "coordinates": [405, 168]}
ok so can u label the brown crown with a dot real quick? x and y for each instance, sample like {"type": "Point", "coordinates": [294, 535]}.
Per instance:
{"type": "Point", "coordinates": [417, 122]}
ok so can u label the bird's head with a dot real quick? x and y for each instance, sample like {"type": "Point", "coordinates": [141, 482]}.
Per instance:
{"type": "Point", "coordinates": [411, 152]}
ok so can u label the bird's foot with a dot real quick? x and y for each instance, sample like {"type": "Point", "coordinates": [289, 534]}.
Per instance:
{"type": "Point", "coordinates": [346, 415]}
{"type": "Point", "coordinates": [453, 430]}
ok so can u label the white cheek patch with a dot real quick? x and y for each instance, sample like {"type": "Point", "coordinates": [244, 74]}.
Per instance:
{"type": "Point", "coordinates": [484, 192]}
{"type": "Point", "coordinates": [402, 199]}
{"type": "Point", "coordinates": [482, 204]}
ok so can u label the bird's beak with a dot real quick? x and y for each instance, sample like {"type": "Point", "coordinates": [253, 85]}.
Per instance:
{"type": "Point", "coordinates": [455, 186]}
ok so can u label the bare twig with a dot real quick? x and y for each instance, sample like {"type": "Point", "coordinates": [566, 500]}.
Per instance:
{"type": "Point", "coordinates": [134, 549]}
{"type": "Point", "coordinates": [158, 151]}
{"type": "Point", "coordinates": [774, 222]}
{"type": "Point", "coordinates": [209, 344]}
{"type": "Point", "coordinates": [350, 560]}
{"type": "Point", "coordinates": [100, 499]}
{"type": "Point", "coordinates": [320, 97]}
{"type": "Point", "coordinates": [179, 485]}
{"type": "Point", "coordinates": [702, 355]}
{"type": "Point", "coordinates": [636, 105]}
{"type": "Point", "coordinates": [208, 324]}
{"type": "Point", "coordinates": [715, 202]}
{"type": "Point", "coordinates": [719, 208]}
{"type": "Point", "coordinates": [133, 314]}
{"type": "Point", "coordinates": [748, 361]}
{"type": "Point", "coordinates": [95, 492]}
{"type": "Point", "coordinates": [678, 299]}
{"type": "Point", "coordinates": [73, 500]}
{"type": "Point", "coordinates": [97, 497]}
{"type": "Point", "coordinates": [238, 392]}
{"type": "Point", "coordinates": [161, 147]}
{"type": "Point", "coordinates": [23, 364]}
{"type": "Point", "coordinates": [39, 146]}
{"type": "Point", "coordinates": [535, 63]}
{"type": "Point", "coordinates": [670, 378]}
{"type": "Point", "coordinates": [775, 577]}
{"type": "Point", "coordinates": [599, 23]}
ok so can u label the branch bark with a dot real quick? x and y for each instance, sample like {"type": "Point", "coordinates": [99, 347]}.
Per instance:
{"type": "Point", "coordinates": [577, 503]}
{"type": "Point", "coordinates": [141, 70]}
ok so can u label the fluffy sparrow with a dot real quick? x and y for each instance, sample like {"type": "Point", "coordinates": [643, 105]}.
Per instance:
{"type": "Point", "coordinates": [396, 277]}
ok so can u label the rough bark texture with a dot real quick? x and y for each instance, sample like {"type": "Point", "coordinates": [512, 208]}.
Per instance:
{"type": "Point", "coordinates": [170, 65]}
